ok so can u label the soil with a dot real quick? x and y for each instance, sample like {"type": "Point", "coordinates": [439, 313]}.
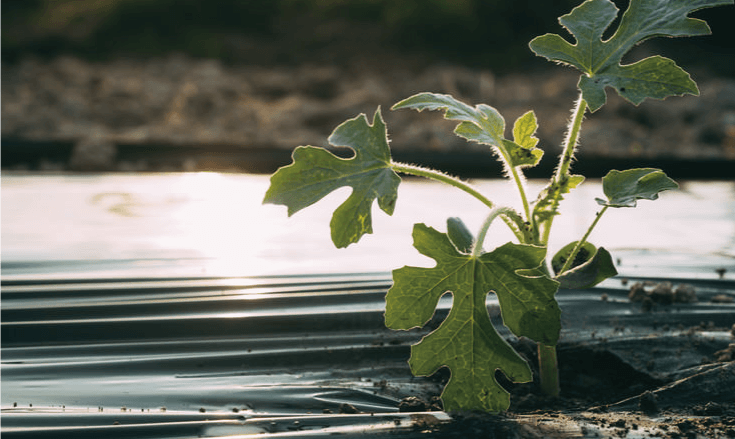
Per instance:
{"type": "Point", "coordinates": [605, 394]}
{"type": "Point", "coordinates": [178, 113]}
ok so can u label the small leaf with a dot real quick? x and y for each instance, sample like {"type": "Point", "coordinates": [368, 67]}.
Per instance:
{"type": "Point", "coordinates": [523, 157]}
{"type": "Point", "coordinates": [466, 341]}
{"type": "Point", "coordinates": [482, 124]}
{"type": "Point", "coordinates": [599, 60]}
{"type": "Point", "coordinates": [524, 130]}
{"type": "Point", "coordinates": [623, 188]}
{"type": "Point", "coordinates": [583, 255]}
{"type": "Point", "coordinates": [460, 235]}
{"type": "Point", "coordinates": [315, 172]}
{"type": "Point", "coordinates": [548, 199]}
{"type": "Point", "coordinates": [594, 270]}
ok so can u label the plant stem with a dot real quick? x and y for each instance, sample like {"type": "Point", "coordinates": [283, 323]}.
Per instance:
{"type": "Point", "coordinates": [565, 160]}
{"type": "Point", "coordinates": [548, 370]}
{"type": "Point", "coordinates": [581, 242]}
{"type": "Point", "coordinates": [510, 217]}
{"type": "Point", "coordinates": [498, 211]}
{"type": "Point", "coordinates": [572, 138]}
{"type": "Point", "coordinates": [517, 178]}
{"type": "Point", "coordinates": [440, 176]}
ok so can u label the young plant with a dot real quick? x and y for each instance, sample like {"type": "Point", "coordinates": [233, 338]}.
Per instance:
{"type": "Point", "coordinates": [517, 273]}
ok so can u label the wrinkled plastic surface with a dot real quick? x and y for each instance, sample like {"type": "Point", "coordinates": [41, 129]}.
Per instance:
{"type": "Point", "coordinates": [163, 348]}
{"type": "Point", "coordinates": [216, 357]}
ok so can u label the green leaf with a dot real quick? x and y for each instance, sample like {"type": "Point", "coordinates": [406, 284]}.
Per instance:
{"type": "Point", "coordinates": [487, 121]}
{"type": "Point", "coordinates": [655, 77]}
{"type": "Point", "coordinates": [524, 130]}
{"type": "Point", "coordinates": [315, 172]}
{"type": "Point", "coordinates": [482, 124]}
{"type": "Point", "coordinates": [466, 341]}
{"type": "Point", "coordinates": [623, 188]}
{"type": "Point", "coordinates": [599, 60]}
{"type": "Point", "coordinates": [548, 199]}
{"type": "Point", "coordinates": [560, 258]}
{"type": "Point", "coordinates": [590, 267]}
{"type": "Point", "coordinates": [460, 235]}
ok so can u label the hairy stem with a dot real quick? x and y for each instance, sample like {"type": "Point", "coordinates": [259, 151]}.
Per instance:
{"type": "Point", "coordinates": [567, 265]}
{"type": "Point", "coordinates": [511, 218]}
{"type": "Point", "coordinates": [442, 177]}
{"type": "Point", "coordinates": [518, 179]}
{"type": "Point", "coordinates": [565, 160]}
{"type": "Point", "coordinates": [570, 143]}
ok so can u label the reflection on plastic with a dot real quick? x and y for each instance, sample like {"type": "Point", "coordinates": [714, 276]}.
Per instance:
{"type": "Point", "coordinates": [218, 220]}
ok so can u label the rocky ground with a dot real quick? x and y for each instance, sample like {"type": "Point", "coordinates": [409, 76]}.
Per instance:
{"type": "Point", "coordinates": [96, 108]}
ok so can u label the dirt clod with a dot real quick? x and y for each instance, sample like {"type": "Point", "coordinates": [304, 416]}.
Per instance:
{"type": "Point", "coordinates": [722, 298]}
{"type": "Point", "coordinates": [412, 404]}
{"type": "Point", "coordinates": [348, 409]}
{"type": "Point", "coordinates": [727, 354]}
{"type": "Point", "coordinates": [647, 403]}
{"type": "Point", "coordinates": [709, 409]}
{"type": "Point", "coordinates": [637, 292]}
{"type": "Point", "coordinates": [663, 293]}
{"type": "Point", "coordinates": [620, 423]}
{"type": "Point", "coordinates": [685, 293]}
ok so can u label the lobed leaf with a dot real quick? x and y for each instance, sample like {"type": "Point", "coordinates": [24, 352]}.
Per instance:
{"type": "Point", "coordinates": [599, 60]}
{"type": "Point", "coordinates": [655, 77]}
{"type": "Point", "coordinates": [524, 130]}
{"type": "Point", "coordinates": [482, 124]}
{"type": "Point", "coordinates": [623, 188]}
{"type": "Point", "coordinates": [466, 341]}
{"type": "Point", "coordinates": [315, 172]}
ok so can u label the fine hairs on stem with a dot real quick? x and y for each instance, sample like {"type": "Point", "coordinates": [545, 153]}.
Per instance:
{"type": "Point", "coordinates": [571, 138]}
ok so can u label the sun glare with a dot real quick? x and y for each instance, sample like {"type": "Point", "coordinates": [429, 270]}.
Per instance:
{"type": "Point", "coordinates": [222, 220]}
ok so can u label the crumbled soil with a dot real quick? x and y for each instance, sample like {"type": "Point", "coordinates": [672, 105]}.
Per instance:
{"type": "Point", "coordinates": [621, 389]}
{"type": "Point", "coordinates": [589, 410]}
{"type": "Point", "coordinates": [179, 113]}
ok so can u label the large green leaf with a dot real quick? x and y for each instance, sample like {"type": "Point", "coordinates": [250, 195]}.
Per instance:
{"type": "Point", "coordinates": [315, 172]}
{"type": "Point", "coordinates": [654, 77]}
{"type": "Point", "coordinates": [466, 341]}
{"type": "Point", "coordinates": [623, 188]}
{"type": "Point", "coordinates": [482, 124]}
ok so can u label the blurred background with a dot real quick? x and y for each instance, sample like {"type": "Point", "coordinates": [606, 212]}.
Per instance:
{"type": "Point", "coordinates": [226, 85]}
